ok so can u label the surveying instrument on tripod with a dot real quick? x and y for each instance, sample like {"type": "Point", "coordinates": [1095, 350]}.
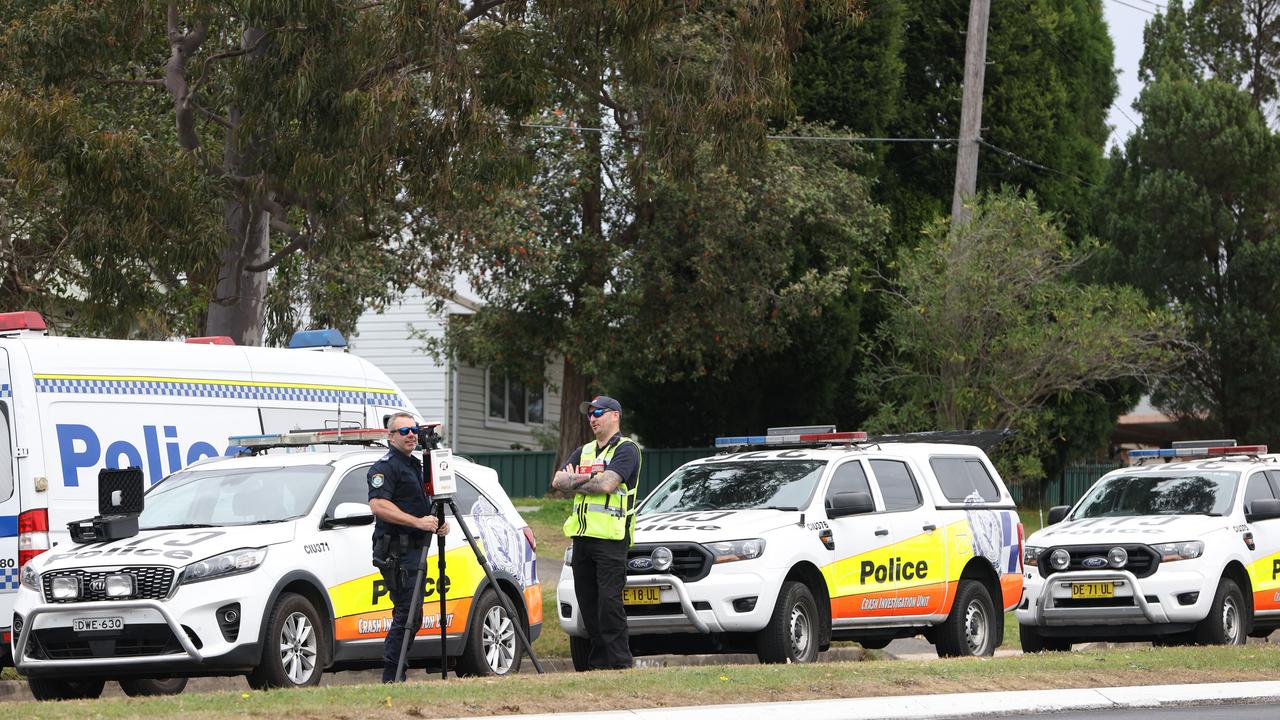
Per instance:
{"type": "Point", "coordinates": [438, 477]}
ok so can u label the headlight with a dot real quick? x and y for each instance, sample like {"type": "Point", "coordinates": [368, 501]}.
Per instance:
{"type": "Point", "coordinates": [30, 578]}
{"type": "Point", "coordinates": [1179, 550]}
{"type": "Point", "coordinates": [1030, 556]}
{"type": "Point", "coordinates": [732, 550]}
{"type": "Point", "coordinates": [229, 563]}
{"type": "Point", "coordinates": [1060, 559]}
{"type": "Point", "coordinates": [568, 556]}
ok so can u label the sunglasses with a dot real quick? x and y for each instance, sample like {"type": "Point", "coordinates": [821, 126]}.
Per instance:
{"type": "Point", "coordinates": [406, 431]}
{"type": "Point", "coordinates": [597, 412]}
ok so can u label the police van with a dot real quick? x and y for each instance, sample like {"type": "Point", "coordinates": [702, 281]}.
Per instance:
{"type": "Point", "coordinates": [72, 406]}
{"type": "Point", "coordinates": [788, 541]}
{"type": "Point", "coordinates": [1183, 547]}
{"type": "Point", "coordinates": [261, 566]}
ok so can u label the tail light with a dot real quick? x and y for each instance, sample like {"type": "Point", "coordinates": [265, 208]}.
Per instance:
{"type": "Point", "coordinates": [1021, 537]}
{"type": "Point", "coordinates": [33, 535]}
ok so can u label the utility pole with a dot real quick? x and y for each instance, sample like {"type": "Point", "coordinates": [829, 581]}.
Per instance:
{"type": "Point", "coordinates": [975, 67]}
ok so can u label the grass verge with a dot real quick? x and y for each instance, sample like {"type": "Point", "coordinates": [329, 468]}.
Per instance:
{"type": "Point", "coordinates": [669, 687]}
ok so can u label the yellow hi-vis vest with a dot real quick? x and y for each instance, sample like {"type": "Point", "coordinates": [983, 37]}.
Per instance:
{"type": "Point", "coordinates": [608, 517]}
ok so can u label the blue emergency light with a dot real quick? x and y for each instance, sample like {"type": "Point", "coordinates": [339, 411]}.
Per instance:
{"type": "Point", "coordinates": [326, 338]}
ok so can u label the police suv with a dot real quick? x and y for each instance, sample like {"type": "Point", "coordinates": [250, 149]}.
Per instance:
{"type": "Point", "coordinates": [1183, 551]}
{"type": "Point", "coordinates": [813, 536]}
{"type": "Point", "coordinates": [262, 566]}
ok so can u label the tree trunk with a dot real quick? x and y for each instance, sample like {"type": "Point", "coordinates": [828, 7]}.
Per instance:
{"type": "Point", "coordinates": [574, 430]}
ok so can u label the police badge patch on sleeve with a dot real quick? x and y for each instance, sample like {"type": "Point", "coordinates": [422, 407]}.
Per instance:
{"type": "Point", "coordinates": [376, 480]}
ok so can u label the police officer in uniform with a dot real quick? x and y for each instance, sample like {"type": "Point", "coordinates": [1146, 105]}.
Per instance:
{"type": "Point", "coordinates": [602, 477]}
{"type": "Point", "coordinates": [404, 524]}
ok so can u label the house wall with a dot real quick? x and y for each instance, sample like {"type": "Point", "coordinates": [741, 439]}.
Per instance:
{"type": "Point", "coordinates": [478, 432]}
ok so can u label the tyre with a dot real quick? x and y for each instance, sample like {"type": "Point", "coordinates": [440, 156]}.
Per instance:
{"type": "Point", "coordinates": [65, 689]}
{"type": "Point", "coordinates": [970, 628]}
{"type": "Point", "coordinates": [792, 633]}
{"type": "Point", "coordinates": [1033, 642]}
{"type": "Point", "coordinates": [579, 651]}
{"type": "Point", "coordinates": [146, 687]}
{"type": "Point", "coordinates": [1228, 621]}
{"type": "Point", "coordinates": [293, 654]}
{"type": "Point", "coordinates": [492, 648]}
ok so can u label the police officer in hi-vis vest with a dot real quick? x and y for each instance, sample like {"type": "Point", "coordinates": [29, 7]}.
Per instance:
{"type": "Point", "coordinates": [602, 477]}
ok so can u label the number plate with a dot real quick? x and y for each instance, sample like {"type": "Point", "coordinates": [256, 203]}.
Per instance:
{"type": "Point", "coordinates": [1084, 591]}
{"type": "Point", "coordinates": [97, 624]}
{"type": "Point", "coordinates": [642, 595]}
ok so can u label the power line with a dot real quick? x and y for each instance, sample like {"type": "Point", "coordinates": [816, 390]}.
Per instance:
{"type": "Point", "coordinates": [1127, 117]}
{"type": "Point", "coordinates": [1032, 163]}
{"type": "Point", "coordinates": [1136, 7]}
{"type": "Point", "coordinates": [797, 138]}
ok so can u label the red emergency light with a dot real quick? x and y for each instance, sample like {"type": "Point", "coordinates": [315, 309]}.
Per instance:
{"type": "Point", "coordinates": [211, 340]}
{"type": "Point", "coordinates": [24, 320]}
{"type": "Point", "coordinates": [1237, 450]}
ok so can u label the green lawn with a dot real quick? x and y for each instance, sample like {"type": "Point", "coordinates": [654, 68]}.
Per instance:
{"type": "Point", "coordinates": [666, 687]}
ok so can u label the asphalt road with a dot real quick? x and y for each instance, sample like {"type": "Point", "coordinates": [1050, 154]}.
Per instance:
{"type": "Point", "coordinates": [1193, 712]}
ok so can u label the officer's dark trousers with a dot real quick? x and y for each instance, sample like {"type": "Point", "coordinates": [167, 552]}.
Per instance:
{"type": "Point", "coordinates": [402, 601]}
{"type": "Point", "coordinates": [599, 574]}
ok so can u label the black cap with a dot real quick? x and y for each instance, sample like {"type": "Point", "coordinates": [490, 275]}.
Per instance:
{"type": "Point", "coordinates": [600, 401]}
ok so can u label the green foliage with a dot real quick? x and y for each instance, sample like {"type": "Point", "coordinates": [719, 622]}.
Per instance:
{"type": "Point", "coordinates": [989, 327]}
{"type": "Point", "coordinates": [1191, 212]}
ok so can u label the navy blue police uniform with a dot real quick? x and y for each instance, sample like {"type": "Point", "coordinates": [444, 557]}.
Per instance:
{"type": "Point", "coordinates": [398, 477]}
{"type": "Point", "coordinates": [600, 572]}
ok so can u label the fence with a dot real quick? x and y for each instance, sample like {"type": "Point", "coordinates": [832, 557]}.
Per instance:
{"type": "Point", "coordinates": [528, 474]}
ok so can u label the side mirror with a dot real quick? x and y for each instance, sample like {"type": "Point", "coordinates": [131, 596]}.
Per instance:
{"type": "Point", "coordinates": [348, 514]}
{"type": "Point", "coordinates": [850, 503]}
{"type": "Point", "coordinates": [1056, 513]}
{"type": "Point", "coordinates": [1262, 510]}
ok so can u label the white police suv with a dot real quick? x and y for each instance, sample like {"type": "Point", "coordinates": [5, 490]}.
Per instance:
{"type": "Point", "coordinates": [262, 566]}
{"type": "Point", "coordinates": [812, 536]}
{"type": "Point", "coordinates": [1182, 551]}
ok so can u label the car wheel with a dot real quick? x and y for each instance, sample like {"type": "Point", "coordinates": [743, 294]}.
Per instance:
{"type": "Point", "coordinates": [1033, 642]}
{"type": "Point", "coordinates": [1228, 621]}
{"type": "Point", "coordinates": [792, 633]}
{"type": "Point", "coordinates": [65, 689]}
{"type": "Point", "coordinates": [293, 654]}
{"type": "Point", "coordinates": [492, 648]}
{"type": "Point", "coordinates": [970, 628]}
{"type": "Point", "coordinates": [579, 651]}
{"type": "Point", "coordinates": [145, 687]}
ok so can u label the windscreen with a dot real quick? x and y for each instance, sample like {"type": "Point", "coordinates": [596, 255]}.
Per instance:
{"type": "Point", "coordinates": [243, 496]}
{"type": "Point", "coordinates": [777, 484]}
{"type": "Point", "coordinates": [1189, 493]}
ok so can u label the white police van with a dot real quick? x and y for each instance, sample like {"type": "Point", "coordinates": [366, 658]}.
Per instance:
{"type": "Point", "coordinates": [814, 536]}
{"type": "Point", "coordinates": [262, 566]}
{"type": "Point", "coordinates": [1179, 552]}
{"type": "Point", "coordinates": [72, 406]}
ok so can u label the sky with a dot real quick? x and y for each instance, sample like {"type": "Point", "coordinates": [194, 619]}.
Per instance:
{"type": "Point", "coordinates": [1125, 20]}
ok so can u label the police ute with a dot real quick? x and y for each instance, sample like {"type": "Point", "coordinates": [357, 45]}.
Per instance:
{"type": "Point", "coordinates": [785, 542]}
{"type": "Point", "coordinates": [261, 565]}
{"type": "Point", "coordinates": [1181, 548]}
{"type": "Point", "coordinates": [70, 407]}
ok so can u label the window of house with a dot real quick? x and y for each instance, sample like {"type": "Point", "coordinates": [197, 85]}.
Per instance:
{"type": "Point", "coordinates": [513, 401]}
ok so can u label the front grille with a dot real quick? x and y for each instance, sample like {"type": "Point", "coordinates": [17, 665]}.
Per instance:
{"type": "Point", "coordinates": [1143, 561]}
{"type": "Point", "coordinates": [150, 583]}
{"type": "Point", "coordinates": [134, 641]}
{"type": "Point", "coordinates": [689, 561]}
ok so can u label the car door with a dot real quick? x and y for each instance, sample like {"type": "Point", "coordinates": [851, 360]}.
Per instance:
{"type": "Point", "coordinates": [858, 576]}
{"type": "Point", "coordinates": [1264, 565]}
{"type": "Point", "coordinates": [918, 555]}
{"type": "Point", "coordinates": [9, 509]}
{"type": "Point", "coordinates": [355, 586]}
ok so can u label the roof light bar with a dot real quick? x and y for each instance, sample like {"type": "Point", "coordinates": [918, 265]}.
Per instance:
{"type": "Point", "coordinates": [311, 339]}
{"type": "Point", "coordinates": [211, 340]}
{"type": "Point", "coordinates": [23, 320]}
{"type": "Point", "coordinates": [796, 439]}
{"type": "Point", "coordinates": [1232, 449]}
{"type": "Point", "coordinates": [304, 438]}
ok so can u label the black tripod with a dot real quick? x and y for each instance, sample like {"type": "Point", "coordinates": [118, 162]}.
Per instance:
{"type": "Point", "coordinates": [430, 440]}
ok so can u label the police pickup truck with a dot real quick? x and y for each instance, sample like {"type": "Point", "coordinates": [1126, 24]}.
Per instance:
{"type": "Point", "coordinates": [261, 566]}
{"type": "Point", "coordinates": [1182, 551]}
{"type": "Point", "coordinates": [804, 536]}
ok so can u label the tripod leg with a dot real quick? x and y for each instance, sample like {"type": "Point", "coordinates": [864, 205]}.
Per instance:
{"type": "Point", "coordinates": [414, 621]}
{"type": "Point", "coordinates": [443, 587]}
{"type": "Point", "coordinates": [502, 597]}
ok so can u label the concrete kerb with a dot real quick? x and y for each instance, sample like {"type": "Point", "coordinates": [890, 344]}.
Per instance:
{"type": "Point", "coordinates": [956, 705]}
